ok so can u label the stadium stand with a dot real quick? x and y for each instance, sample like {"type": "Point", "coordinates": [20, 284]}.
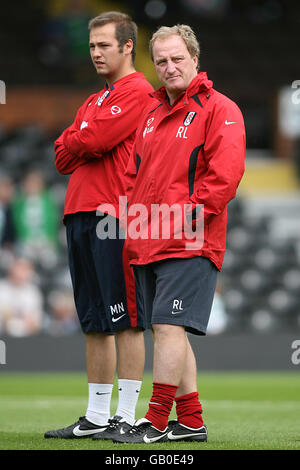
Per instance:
{"type": "Point", "coordinates": [261, 272]}
{"type": "Point", "coordinates": [250, 54]}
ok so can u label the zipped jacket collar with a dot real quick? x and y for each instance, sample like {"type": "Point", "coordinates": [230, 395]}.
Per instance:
{"type": "Point", "coordinates": [199, 84]}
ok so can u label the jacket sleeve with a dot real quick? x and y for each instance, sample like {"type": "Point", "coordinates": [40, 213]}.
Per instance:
{"type": "Point", "coordinates": [224, 152]}
{"type": "Point", "coordinates": [114, 124]}
{"type": "Point", "coordinates": [66, 162]}
{"type": "Point", "coordinates": [134, 158]}
{"type": "Point", "coordinates": [131, 172]}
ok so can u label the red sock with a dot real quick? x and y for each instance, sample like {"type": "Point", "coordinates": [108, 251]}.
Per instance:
{"type": "Point", "coordinates": [161, 404]}
{"type": "Point", "coordinates": [189, 409]}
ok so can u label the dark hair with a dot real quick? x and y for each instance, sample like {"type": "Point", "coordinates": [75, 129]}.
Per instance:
{"type": "Point", "coordinates": [125, 28]}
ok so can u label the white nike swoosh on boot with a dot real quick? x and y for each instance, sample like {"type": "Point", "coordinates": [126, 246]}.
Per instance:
{"type": "Point", "coordinates": [86, 432]}
{"type": "Point", "coordinates": [148, 440]}
{"type": "Point", "coordinates": [173, 437]}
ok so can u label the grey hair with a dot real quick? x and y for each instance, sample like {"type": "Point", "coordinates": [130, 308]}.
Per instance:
{"type": "Point", "coordinates": [182, 30]}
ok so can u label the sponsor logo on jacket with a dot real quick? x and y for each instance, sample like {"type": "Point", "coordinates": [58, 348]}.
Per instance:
{"type": "Point", "coordinates": [115, 109]}
{"type": "Point", "coordinates": [148, 128]}
{"type": "Point", "coordinates": [189, 118]}
{"type": "Point", "coordinates": [182, 130]}
{"type": "Point", "coordinates": [102, 98]}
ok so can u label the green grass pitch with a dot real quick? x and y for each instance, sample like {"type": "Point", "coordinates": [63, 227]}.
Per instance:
{"type": "Point", "coordinates": [243, 411]}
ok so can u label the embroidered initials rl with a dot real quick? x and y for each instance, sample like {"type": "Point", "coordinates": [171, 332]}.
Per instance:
{"type": "Point", "coordinates": [181, 133]}
{"type": "Point", "coordinates": [177, 306]}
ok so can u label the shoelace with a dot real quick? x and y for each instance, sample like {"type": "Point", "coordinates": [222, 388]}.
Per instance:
{"type": "Point", "coordinates": [113, 423]}
{"type": "Point", "coordinates": [138, 429]}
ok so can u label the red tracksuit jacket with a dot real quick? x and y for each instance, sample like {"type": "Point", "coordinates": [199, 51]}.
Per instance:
{"type": "Point", "coordinates": [95, 149]}
{"type": "Point", "coordinates": [191, 153]}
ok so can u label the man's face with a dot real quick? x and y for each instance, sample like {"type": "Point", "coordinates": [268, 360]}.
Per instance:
{"type": "Point", "coordinates": [174, 65]}
{"type": "Point", "coordinates": [105, 52]}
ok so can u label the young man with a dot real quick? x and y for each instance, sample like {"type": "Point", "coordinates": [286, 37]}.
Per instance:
{"type": "Point", "coordinates": [95, 151]}
{"type": "Point", "coordinates": [189, 154]}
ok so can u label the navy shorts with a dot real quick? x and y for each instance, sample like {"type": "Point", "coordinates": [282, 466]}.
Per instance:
{"type": "Point", "coordinates": [103, 285]}
{"type": "Point", "coordinates": [178, 292]}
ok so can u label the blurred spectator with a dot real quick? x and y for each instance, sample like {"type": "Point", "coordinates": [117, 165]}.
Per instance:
{"type": "Point", "coordinates": [21, 302]}
{"type": "Point", "coordinates": [62, 318]}
{"type": "Point", "coordinates": [65, 33]}
{"type": "Point", "coordinates": [7, 230]}
{"type": "Point", "coordinates": [36, 221]}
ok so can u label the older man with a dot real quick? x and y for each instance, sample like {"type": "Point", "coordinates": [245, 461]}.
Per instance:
{"type": "Point", "coordinates": [189, 155]}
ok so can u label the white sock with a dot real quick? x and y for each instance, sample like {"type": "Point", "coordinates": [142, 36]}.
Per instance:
{"type": "Point", "coordinates": [129, 391]}
{"type": "Point", "coordinates": [98, 410]}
